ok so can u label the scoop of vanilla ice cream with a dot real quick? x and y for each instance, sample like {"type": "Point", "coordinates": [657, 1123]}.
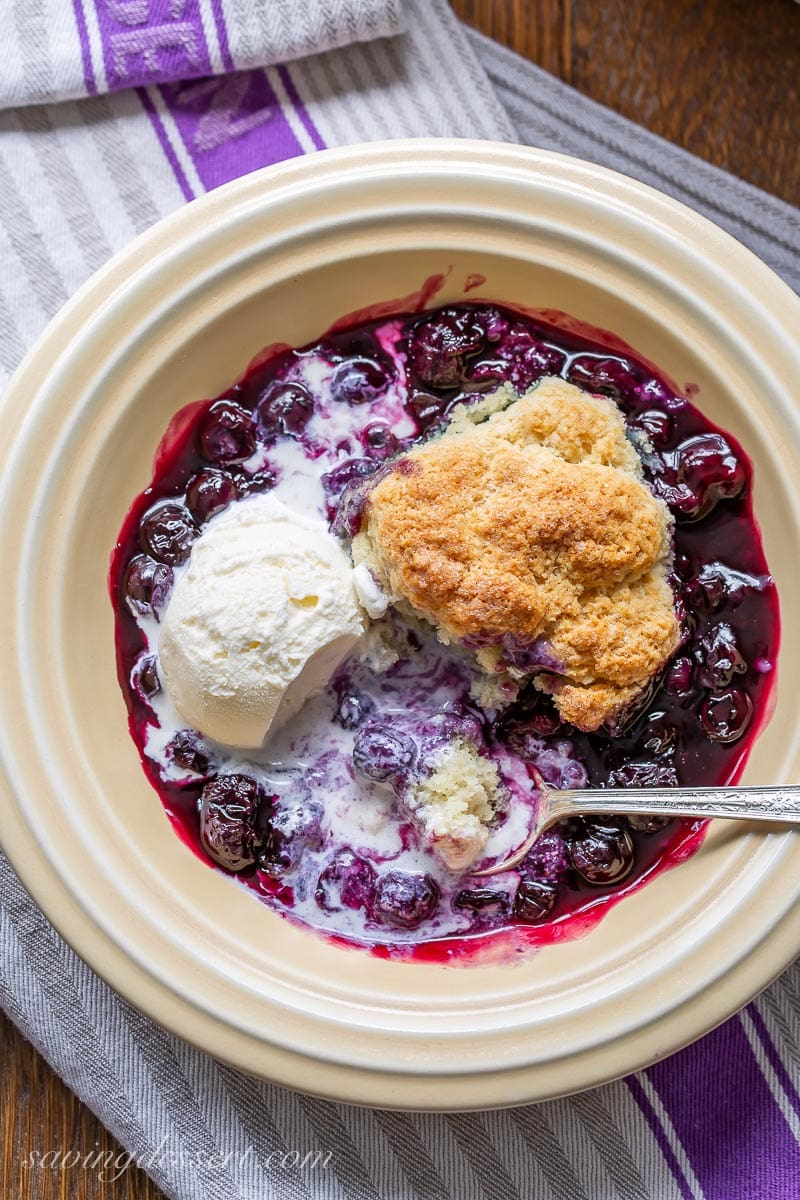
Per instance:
{"type": "Point", "coordinates": [264, 613]}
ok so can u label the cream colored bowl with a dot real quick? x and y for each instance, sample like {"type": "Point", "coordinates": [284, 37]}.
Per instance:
{"type": "Point", "coordinates": [276, 257]}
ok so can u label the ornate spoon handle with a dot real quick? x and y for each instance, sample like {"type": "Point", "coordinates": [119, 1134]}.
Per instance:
{"type": "Point", "coordinates": [742, 803]}
{"type": "Point", "coordinates": [739, 803]}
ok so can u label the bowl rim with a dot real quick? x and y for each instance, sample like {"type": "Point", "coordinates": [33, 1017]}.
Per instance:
{"type": "Point", "coordinates": [61, 902]}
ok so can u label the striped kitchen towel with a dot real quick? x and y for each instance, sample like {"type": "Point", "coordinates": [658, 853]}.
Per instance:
{"type": "Point", "coordinates": [719, 1120]}
{"type": "Point", "coordinates": [62, 50]}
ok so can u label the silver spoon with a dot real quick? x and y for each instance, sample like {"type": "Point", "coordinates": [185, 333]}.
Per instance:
{"type": "Point", "coordinates": [737, 803]}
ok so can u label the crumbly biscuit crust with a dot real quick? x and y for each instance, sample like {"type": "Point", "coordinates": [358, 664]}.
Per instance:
{"type": "Point", "coordinates": [533, 537]}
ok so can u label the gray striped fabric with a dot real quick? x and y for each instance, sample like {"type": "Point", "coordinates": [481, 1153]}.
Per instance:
{"type": "Point", "coordinates": [79, 181]}
{"type": "Point", "coordinates": [266, 31]}
{"type": "Point", "coordinates": [146, 41]}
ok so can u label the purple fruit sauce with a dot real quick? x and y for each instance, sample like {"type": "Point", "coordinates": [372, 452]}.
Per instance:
{"type": "Point", "coordinates": [308, 424]}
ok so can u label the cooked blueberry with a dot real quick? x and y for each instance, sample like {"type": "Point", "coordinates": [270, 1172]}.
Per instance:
{"type": "Point", "coordinates": [285, 408]}
{"type": "Point", "coordinates": [657, 396]}
{"type": "Point", "coordinates": [725, 716]}
{"type": "Point", "coordinates": [480, 640]}
{"type": "Point", "coordinates": [303, 822]}
{"type": "Point", "coordinates": [441, 346]}
{"type": "Point", "coordinates": [709, 465]}
{"type": "Point", "coordinates": [227, 433]}
{"type": "Point", "coordinates": [427, 410]}
{"type": "Point", "coordinates": [554, 761]}
{"type": "Point", "coordinates": [645, 773]}
{"type": "Point", "coordinates": [685, 503]}
{"type": "Point", "coordinates": [347, 494]}
{"type": "Point", "coordinates": [147, 586]}
{"type": "Point", "coordinates": [519, 735]}
{"type": "Point", "coordinates": [348, 881]}
{"type": "Point", "coordinates": [292, 832]}
{"type": "Point", "coordinates": [682, 565]}
{"type": "Point", "coordinates": [534, 901]}
{"type": "Point", "coordinates": [624, 720]}
{"type": "Point", "coordinates": [346, 474]}
{"type": "Point", "coordinates": [144, 677]}
{"type": "Point", "coordinates": [716, 584]}
{"type": "Point", "coordinates": [647, 822]}
{"type": "Point", "coordinates": [679, 677]}
{"type": "Point", "coordinates": [404, 900]}
{"type": "Point", "coordinates": [357, 381]}
{"type": "Point", "coordinates": [234, 811]}
{"type": "Point", "coordinates": [519, 358]}
{"type": "Point", "coordinates": [167, 531]}
{"type": "Point", "coordinates": [614, 377]}
{"type": "Point", "coordinates": [535, 716]}
{"type": "Point", "coordinates": [657, 425]}
{"type": "Point", "coordinates": [378, 439]}
{"type": "Point", "coordinates": [482, 900]}
{"type": "Point", "coordinates": [383, 754]}
{"type": "Point", "coordinates": [659, 733]}
{"type": "Point", "coordinates": [353, 709]}
{"type": "Point", "coordinates": [208, 492]}
{"type": "Point", "coordinates": [261, 481]}
{"type": "Point", "coordinates": [558, 768]}
{"type": "Point", "coordinates": [702, 471]}
{"type": "Point", "coordinates": [687, 620]}
{"type": "Point", "coordinates": [708, 589]}
{"type": "Point", "coordinates": [602, 854]}
{"type": "Point", "coordinates": [547, 860]}
{"type": "Point", "coordinates": [530, 654]}
{"type": "Point", "coordinates": [458, 719]}
{"type": "Point", "coordinates": [493, 323]}
{"type": "Point", "coordinates": [346, 515]}
{"type": "Point", "coordinates": [188, 750]}
{"type": "Point", "coordinates": [721, 658]}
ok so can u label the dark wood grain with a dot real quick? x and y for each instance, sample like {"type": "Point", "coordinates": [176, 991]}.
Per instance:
{"type": "Point", "coordinates": [719, 77]}
{"type": "Point", "coordinates": [41, 1120]}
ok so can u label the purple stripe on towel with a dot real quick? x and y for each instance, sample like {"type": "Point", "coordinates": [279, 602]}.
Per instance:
{"type": "Point", "coordinates": [230, 125]}
{"type": "Point", "coordinates": [774, 1058]}
{"type": "Point", "coordinates": [86, 50]}
{"type": "Point", "coordinates": [161, 134]}
{"type": "Point", "coordinates": [146, 44]}
{"type": "Point", "coordinates": [734, 1134]}
{"type": "Point", "coordinates": [656, 1128]}
{"type": "Point", "coordinates": [222, 34]}
{"type": "Point", "coordinates": [291, 91]}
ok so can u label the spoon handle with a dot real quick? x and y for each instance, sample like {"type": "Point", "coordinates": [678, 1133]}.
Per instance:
{"type": "Point", "coordinates": [739, 803]}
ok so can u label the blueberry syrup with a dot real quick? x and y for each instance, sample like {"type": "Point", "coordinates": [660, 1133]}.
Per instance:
{"type": "Point", "coordinates": [311, 824]}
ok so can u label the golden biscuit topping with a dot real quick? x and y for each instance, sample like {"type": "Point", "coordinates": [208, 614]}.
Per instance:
{"type": "Point", "coordinates": [532, 538]}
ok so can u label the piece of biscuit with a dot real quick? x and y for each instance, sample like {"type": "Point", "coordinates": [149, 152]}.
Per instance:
{"type": "Point", "coordinates": [532, 539]}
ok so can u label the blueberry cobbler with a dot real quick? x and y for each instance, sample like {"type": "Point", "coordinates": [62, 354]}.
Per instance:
{"type": "Point", "coordinates": [389, 584]}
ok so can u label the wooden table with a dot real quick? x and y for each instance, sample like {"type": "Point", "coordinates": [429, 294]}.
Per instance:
{"type": "Point", "coordinates": [719, 77]}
